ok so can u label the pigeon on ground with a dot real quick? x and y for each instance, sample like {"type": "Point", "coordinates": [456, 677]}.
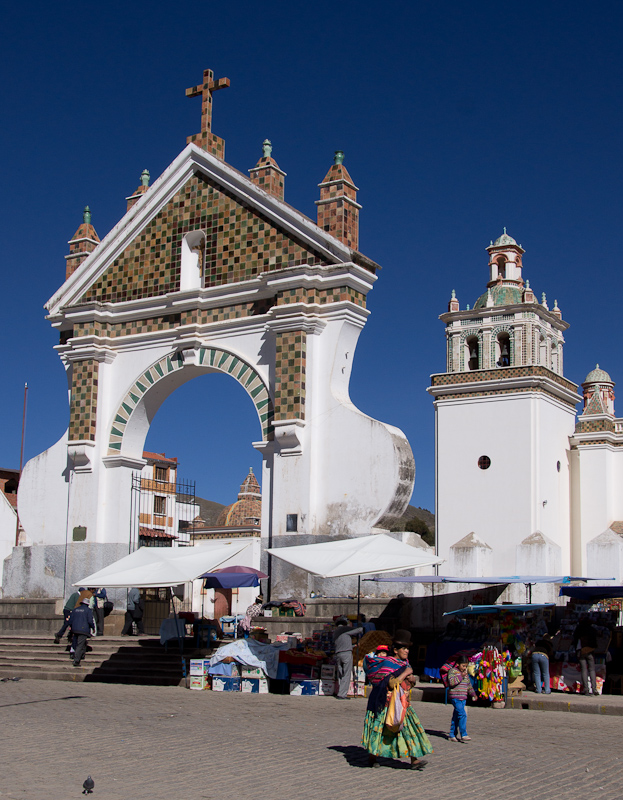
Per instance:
{"type": "Point", "coordinates": [88, 786]}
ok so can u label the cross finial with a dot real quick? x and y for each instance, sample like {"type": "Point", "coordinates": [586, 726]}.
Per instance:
{"type": "Point", "coordinates": [267, 148]}
{"type": "Point", "coordinates": [205, 89]}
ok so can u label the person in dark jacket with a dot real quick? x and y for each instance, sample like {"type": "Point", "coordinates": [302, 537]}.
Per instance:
{"type": "Point", "coordinates": [69, 606]}
{"type": "Point", "coordinates": [82, 626]}
{"type": "Point", "coordinates": [585, 642]}
{"type": "Point", "coordinates": [134, 613]}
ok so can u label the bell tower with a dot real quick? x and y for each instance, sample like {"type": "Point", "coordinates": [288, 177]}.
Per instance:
{"type": "Point", "coordinates": [504, 412]}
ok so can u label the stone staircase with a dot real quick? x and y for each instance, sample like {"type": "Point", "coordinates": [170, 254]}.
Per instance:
{"type": "Point", "coordinates": [112, 659]}
{"type": "Point", "coordinates": [27, 649]}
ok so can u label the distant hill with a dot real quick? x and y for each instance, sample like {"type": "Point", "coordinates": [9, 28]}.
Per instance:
{"type": "Point", "coordinates": [418, 520]}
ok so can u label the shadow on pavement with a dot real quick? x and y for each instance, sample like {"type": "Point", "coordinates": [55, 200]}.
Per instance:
{"type": "Point", "coordinates": [47, 700]}
{"type": "Point", "coordinates": [358, 757]}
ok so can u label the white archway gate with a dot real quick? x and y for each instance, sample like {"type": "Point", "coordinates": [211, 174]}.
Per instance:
{"type": "Point", "coordinates": [208, 272]}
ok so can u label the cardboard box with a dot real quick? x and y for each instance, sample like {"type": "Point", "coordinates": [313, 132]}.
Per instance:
{"type": "Point", "coordinates": [263, 686]}
{"type": "Point", "coordinates": [199, 666]}
{"type": "Point", "coordinates": [268, 612]}
{"type": "Point", "coordinates": [304, 687]}
{"type": "Point", "coordinates": [249, 672]}
{"type": "Point", "coordinates": [327, 672]}
{"type": "Point", "coordinates": [199, 682]}
{"type": "Point", "coordinates": [356, 689]}
{"type": "Point", "coordinates": [328, 687]}
{"type": "Point", "coordinates": [250, 685]}
{"type": "Point", "coordinates": [222, 684]}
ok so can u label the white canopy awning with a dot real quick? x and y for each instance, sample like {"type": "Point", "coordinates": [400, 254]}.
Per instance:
{"type": "Point", "coordinates": [153, 567]}
{"type": "Point", "coordinates": [365, 555]}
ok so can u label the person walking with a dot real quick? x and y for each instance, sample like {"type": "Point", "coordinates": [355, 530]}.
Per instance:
{"type": "Point", "coordinates": [541, 654]}
{"type": "Point", "coordinates": [82, 626]}
{"type": "Point", "coordinates": [134, 613]}
{"type": "Point", "coordinates": [585, 643]}
{"type": "Point", "coordinates": [391, 727]}
{"type": "Point", "coordinates": [343, 639]}
{"type": "Point", "coordinates": [460, 686]}
{"type": "Point", "coordinates": [69, 606]}
{"type": "Point", "coordinates": [99, 598]}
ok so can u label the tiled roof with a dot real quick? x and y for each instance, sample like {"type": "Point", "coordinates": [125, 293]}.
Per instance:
{"type": "Point", "coordinates": [158, 457]}
{"type": "Point", "coordinates": [152, 533]}
{"type": "Point", "coordinates": [598, 376]}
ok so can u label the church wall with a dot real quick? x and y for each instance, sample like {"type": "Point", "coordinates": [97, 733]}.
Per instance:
{"type": "Point", "coordinates": [524, 436]}
{"type": "Point", "coordinates": [601, 501]}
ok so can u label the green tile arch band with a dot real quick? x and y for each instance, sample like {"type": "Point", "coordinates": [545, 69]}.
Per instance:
{"type": "Point", "coordinates": [213, 358]}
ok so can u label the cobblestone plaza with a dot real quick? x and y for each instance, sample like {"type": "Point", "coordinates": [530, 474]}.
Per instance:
{"type": "Point", "coordinates": [156, 743]}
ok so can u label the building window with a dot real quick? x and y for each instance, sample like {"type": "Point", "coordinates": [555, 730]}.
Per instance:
{"type": "Point", "coordinates": [484, 462]}
{"type": "Point", "coordinates": [558, 466]}
{"type": "Point", "coordinates": [292, 523]}
{"type": "Point", "coordinates": [161, 473]}
{"type": "Point", "coordinates": [160, 506]}
{"type": "Point", "coordinates": [501, 262]}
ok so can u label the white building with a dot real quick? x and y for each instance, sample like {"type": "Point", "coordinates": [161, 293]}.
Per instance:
{"type": "Point", "coordinates": [522, 490]}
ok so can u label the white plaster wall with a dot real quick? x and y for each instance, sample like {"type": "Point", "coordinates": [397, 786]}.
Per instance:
{"type": "Point", "coordinates": [524, 435]}
{"type": "Point", "coordinates": [8, 523]}
{"type": "Point", "coordinates": [42, 495]}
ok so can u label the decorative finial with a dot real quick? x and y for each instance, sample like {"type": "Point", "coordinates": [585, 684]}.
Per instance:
{"type": "Point", "coordinates": [491, 243]}
{"type": "Point", "coordinates": [145, 176]}
{"type": "Point", "coordinates": [453, 296]}
{"type": "Point", "coordinates": [543, 299]}
{"type": "Point", "coordinates": [251, 468]}
{"type": "Point", "coordinates": [505, 229]}
{"type": "Point", "coordinates": [267, 148]}
{"type": "Point", "coordinates": [556, 305]}
{"type": "Point", "coordinates": [467, 307]}
{"type": "Point", "coordinates": [597, 366]}
{"type": "Point", "coordinates": [86, 215]}
{"type": "Point", "coordinates": [527, 285]}
{"type": "Point", "coordinates": [338, 158]}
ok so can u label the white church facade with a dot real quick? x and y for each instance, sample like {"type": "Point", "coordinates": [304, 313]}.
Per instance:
{"type": "Point", "coordinates": [522, 486]}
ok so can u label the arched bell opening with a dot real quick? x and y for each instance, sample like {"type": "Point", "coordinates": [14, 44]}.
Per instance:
{"type": "Point", "coordinates": [472, 352]}
{"type": "Point", "coordinates": [503, 350]}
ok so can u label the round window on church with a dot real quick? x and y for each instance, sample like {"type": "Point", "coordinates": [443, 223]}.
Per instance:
{"type": "Point", "coordinates": [484, 462]}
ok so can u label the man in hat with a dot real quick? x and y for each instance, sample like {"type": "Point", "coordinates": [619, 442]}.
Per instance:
{"type": "Point", "coordinates": [343, 638]}
{"type": "Point", "coordinates": [82, 626]}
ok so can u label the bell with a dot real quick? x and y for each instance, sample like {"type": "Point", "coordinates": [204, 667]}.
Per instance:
{"type": "Point", "coordinates": [473, 352]}
{"type": "Point", "coordinates": [504, 351]}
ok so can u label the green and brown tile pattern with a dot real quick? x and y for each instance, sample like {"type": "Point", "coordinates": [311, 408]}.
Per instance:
{"type": "Point", "coordinates": [83, 403]}
{"type": "Point", "coordinates": [337, 294]}
{"type": "Point", "coordinates": [594, 425]}
{"type": "Point", "coordinates": [115, 329]}
{"type": "Point", "coordinates": [210, 357]}
{"type": "Point", "coordinates": [476, 376]}
{"type": "Point", "coordinates": [492, 393]}
{"type": "Point", "coordinates": [240, 244]}
{"type": "Point", "coordinates": [290, 375]}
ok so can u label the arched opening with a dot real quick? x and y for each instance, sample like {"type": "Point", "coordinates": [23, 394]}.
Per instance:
{"type": "Point", "coordinates": [472, 355]}
{"type": "Point", "coordinates": [193, 256]}
{"type": "Point", "coordinates": [503, 350]}
{"type": "Point", "coordinates": [543, 360]}
{"type": "Point", "coordinates": [501, 265]}
{"type": "Point", "coordinates": [554, 362]}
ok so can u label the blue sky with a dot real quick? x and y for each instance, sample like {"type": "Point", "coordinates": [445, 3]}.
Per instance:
{"type": "Point", "coordinates": [456, 118]}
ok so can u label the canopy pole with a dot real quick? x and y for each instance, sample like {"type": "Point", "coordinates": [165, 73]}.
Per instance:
{"type": "Point", "coordinates": [358, 598]}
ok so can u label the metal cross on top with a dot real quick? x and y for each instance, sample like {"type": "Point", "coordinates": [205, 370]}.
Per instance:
{"type": "Point", "coordinates": [205, 89]}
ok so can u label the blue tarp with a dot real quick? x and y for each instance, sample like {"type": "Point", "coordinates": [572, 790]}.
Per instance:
{"type": "Point", "coordinates": [498, 609]}
{"type": "Point", "coordinates": [229, 580]}
{"type": "Point", "coordinates": [592, 593]}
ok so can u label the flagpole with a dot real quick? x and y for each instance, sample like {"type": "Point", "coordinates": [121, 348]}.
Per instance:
{"type": "Point", "coordinates": [21, 463]}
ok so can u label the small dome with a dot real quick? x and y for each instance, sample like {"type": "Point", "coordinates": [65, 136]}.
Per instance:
{"type": "Point", "coordinates": [502, 296]}
{"type": "Point", "coordinates": [504, 239]}
{"type": "Point", "coordinates": [598, 376]}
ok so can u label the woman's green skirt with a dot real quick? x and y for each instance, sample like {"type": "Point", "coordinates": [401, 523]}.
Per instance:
{"type": "Point", "coordinates": [410, 741]}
